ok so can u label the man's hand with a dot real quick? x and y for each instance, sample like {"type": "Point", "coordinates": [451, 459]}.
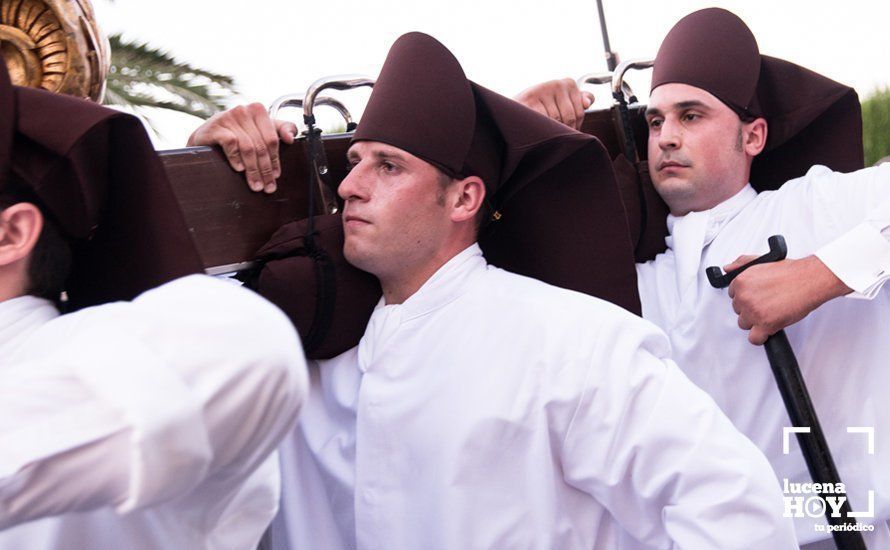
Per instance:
{"type": "Point", "coordinates": [770, 297]}
{"type": "Point", "coordinates": [559, 99]}
{"type": "Point", "coordinates": [249, 138]}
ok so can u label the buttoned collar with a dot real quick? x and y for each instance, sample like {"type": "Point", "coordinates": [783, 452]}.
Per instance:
{"type": "Point", "coordinates": [692, 233]}
{"type": "Point", "coordinates": [715, 218]}
{"type": "Point", "coordinates": [447, 284]}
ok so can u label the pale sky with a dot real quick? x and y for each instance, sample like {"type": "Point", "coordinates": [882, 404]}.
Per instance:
{"type": "Point", "coordinates": [275, 47]}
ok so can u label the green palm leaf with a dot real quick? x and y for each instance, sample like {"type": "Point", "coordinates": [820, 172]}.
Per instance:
{"type": "Point", "coordinates": [142, 76]}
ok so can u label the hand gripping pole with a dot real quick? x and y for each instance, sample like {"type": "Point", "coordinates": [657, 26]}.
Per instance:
{"type": "Point", "coordinates": [797, 401]}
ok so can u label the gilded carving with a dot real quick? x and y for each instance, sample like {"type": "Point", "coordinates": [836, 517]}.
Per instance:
{"type": "Point", "coordinates": [55, 45]}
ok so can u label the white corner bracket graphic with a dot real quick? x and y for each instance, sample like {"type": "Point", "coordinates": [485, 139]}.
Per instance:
{"type": "Point", "coordinates": [870, 431]}
{"type": "Point", "coordinates": [788, 430]}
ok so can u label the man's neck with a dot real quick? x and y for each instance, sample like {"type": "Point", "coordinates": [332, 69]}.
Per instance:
{"type": "Point", "coordinates": [10, 289]}
{"type": "Point", "coordinates": [713, 201]}
{"type": "Point", "coordinates": [400, 286]}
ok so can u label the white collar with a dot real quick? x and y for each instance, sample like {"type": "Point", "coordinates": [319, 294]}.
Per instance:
{"type": "Point", "coordinates": [692, 233]}
{"type": "Point", "coordinates": [447, 284]}
{"type": "Point", "coordinates": [21, 316]}
{"type": "Point", "coordinates": [717, 217]}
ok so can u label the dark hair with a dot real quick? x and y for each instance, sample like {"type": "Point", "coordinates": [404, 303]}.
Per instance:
{"type": "Point", "coordinates": [50, 262]}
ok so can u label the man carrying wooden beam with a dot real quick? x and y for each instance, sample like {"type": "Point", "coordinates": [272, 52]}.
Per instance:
{"type": "Point", "coordinates": [483, 409]}
{"type": "Point", "coordinates": [733, 137]}
{"type": "Point", "coordinates": [142, 424]}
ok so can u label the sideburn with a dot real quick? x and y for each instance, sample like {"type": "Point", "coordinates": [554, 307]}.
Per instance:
{"type": "Point", "coordinates": [444, 182]}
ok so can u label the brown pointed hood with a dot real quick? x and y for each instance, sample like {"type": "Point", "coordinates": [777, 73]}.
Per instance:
{"type": "Point", "coordinates": [423, 103]}
{"type": "Point", "coordinates": [96, 173]}
{"type": "Point", "coordinates": [560, 216]}
{"type": "Point", "coordinates": [812, 119]}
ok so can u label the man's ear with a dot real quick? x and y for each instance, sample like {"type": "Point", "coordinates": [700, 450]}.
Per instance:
{"type": "Point", "coordinates": [755, 133]}
{"type": "Point", "coordinates": [469, 195]}
{"type": "Point", "coordinates": [20, 227]}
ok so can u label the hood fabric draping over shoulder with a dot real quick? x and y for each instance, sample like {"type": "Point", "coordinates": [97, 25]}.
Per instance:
{"type": "Point", "coordinates": [812, 119]}
{"type": "Point", "coordinates": [558, 216]}
{"type": "Point", "coordinates": [96, 173]}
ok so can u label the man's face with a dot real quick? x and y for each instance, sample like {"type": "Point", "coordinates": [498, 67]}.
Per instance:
{"type": "Point", "coordinates": [394, 217]}
{"type": "Point", "coordinates": [697, 158]}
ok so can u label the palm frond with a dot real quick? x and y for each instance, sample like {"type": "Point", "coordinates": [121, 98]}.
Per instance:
{"type": "Point", "coordinates": [144, 76]}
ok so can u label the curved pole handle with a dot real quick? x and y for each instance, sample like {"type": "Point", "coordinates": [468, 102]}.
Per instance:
{"type": "Point", "coordinates": [336, 82]}
{"type": "Point", "coordinates": [619, 85]}
{"type": "Point", "coordinates": [297, 100]}
{"type": "Point", "coordinates": [602, 78]}
{"type": "Point", "coordinates": [777, 252]}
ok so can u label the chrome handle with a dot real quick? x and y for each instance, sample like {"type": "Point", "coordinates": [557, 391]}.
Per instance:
{"type": "Point", "coordinates": [336, 82]}
{"type": "Point", "coordinates": [297, 100]}
{"type": "Point", "coordinates": [595, 78]}
{"type": "Point", "coordinates": [618, 84]}
{"type": "Point", "coordinates": [315, 149]}
{"type": "Point", "coordinates": [604, 78]}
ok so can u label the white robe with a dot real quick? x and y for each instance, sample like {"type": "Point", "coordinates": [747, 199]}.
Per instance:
{"type": "Point", "coordinates": [493, 411]}
{"type": "Point", "coordinates": [145, 425]}
{"type": "Point", "coordinates": [843, 347]}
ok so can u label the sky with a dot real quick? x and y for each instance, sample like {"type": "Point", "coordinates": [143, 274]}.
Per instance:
{"type": "Point", "coordinates": [276, 47]}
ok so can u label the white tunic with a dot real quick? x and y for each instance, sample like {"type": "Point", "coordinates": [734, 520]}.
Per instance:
{"type": "Point", "coordinates": [493, 411]}
{"type": "Point", "coordinates": [148, 424]}
{"type": "Point", "coordinates": [843, 347]}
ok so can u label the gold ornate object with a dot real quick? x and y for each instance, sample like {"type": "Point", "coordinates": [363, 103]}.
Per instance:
{"type": "Point", "coordinates": [55, 45]}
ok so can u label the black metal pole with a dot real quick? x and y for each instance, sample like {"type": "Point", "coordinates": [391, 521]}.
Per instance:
{"type": "Point", "coordinates": [796, 397]}
{"type": "Point", "coordinates": [813, 445]}
{"type": "Point", "coordinates": [611, 58]}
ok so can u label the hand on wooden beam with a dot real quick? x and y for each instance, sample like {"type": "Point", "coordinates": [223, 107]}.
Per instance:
{"type": "Point", "coordinates": [249, 138]}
